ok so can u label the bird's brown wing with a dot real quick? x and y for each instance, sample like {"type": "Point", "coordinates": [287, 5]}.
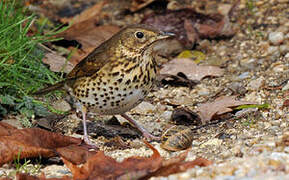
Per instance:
{"type": "Point", "coordinates": [91, 63]}
{"type": "Point", "coordinates": [86, 67]}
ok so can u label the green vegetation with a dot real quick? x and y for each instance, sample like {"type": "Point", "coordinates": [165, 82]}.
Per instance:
{"type": "Point", "coordinates": [250, 5]}
{"type": "Point", "coordinates": [26, 166]}
{"type": "Point", "coordinates": [21, 69]}
{"type": "Point", "coordinates": [259, 106]}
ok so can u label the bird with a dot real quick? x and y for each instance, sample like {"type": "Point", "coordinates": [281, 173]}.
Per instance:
{"type": "Point", "coordinates": [116, 76]}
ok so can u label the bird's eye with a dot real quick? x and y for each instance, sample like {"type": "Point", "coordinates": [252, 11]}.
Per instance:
{"type": "Point", "coordinates": [139, 35]}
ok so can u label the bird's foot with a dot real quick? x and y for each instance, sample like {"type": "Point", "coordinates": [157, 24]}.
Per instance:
{"type": "Point", "coordinates": [149, 136]}
{"type": "Point", "coordinates": [89, 144]}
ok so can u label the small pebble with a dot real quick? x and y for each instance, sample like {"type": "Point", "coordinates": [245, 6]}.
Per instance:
{"type": "Point", "coordinates": [284, 49]}
{"type": "Point", "coordinates": [144, 107]}
{"type": "Point", "coordinates": [244, 75]}
{"type": "Point", "coordinates": [212, 142]}
{"type": "Point", "coordinates": [276, 38]}
{"type": "Point", "coordinates": [248, 63]}
{"type": "Point", "coordinates": [203, 91]}
{"type": "Point", "coordinates": [256, 84]}
{"type": "Point", "coordinates": [279, 68]}
{"type": "Point", "coordinates": [273, 50]}
{"type": "Point", "coordinates": [166, 115]}
{"type": "Point", "coordinates": [286, 149]}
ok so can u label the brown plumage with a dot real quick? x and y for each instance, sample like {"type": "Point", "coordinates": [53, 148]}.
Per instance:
{"type": "Point", "coordinates": [116, 76]}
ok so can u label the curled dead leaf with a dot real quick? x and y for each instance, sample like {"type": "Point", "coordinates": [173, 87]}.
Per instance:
{"type": "Point", "coordinates": [57, 63]}
{"type": "Point", "coordinates": [88, 35]}
{"type": "Point", "coordinates": [88, 14]}
{"type": "Point", "coordinates": [104, 167]}
{"type": "Point", "coordinates": [190, 25]}
{"type": "Point", "coordinates": [190, 69]}
{"type": "Point", "coordinates": [139, 4]}
{"type": "Point", "coordinates": [220, 106]}
{"type": "Point", "coordinates": [184, 116]}
{"type": "Point", "coordinates": [34, 142]}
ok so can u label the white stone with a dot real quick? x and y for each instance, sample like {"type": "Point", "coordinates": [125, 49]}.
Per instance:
{"type": "Point", "coordinates": [279, 68]}
{"type": "Point", "coordinates": [276, 38]}
{"type": "Point", "coordinates": [212, 142]}
{"type": "Point", "coordinates": [286, 149]}
{"type": "Point", "coordinates": [273, 49]}
{"type": "Point", "coordinates": [144, 107]}
{"type": "Point", "coordinates": [256, 83]}
{"type": "Point", "coordinates": [166, 115]}
{"type": "Point", "coordinates": [284, 49]}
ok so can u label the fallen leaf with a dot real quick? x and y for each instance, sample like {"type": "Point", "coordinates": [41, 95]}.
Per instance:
{"type": "Point", "coordinates": [6, 178]}
{"type": "Point", "coordinates": [190, 69]}
{"type": "Point", "coordinates": [57, 63]}
{"type": "Point", "coordinates": [89, 13]}
{"type": "Point", "coordinates": [101, 166]}
{"type": "Point", "coordinates": [181, 166]}
{"type": "Point", "coordinates": [184, 116]}
{"type": "Point", "coordinates": [75, 154]}
{"type": "Point", "coordinates": [23, 176]}
{"type": "Point", "coordinates": [104, 167]}
{"type": "Point", "coordinates": [86, 32]}
{"type": "Point", "coordinates": [34, 142]}
{"type": "Point", "coordinates": [220, 106]}
{"type": "Point", "coordinates": [6, 129]}
{"type": "Point", "coordinates": [190, 26]}
{"type": "Point", "coordinates": [139, 4]}
{"type": "Point", "coordinates": [89, 35]}
{"type": "Point", "coordinates": [285, 103]}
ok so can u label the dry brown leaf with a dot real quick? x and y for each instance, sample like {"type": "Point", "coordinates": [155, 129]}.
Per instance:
{"type": "Point", "coordinates": [212, 30]}
{"type": "Point", "coordinates": [89, 36]}
{"type": "Point", "coordinates": [57, 63]}
{"type": "Point", "coordinates": [22, 176]}
{"type": "Point", "coordinates": [104, 167]}
{"type": "Point", "coordinates": [190, 69]}
{"type": "Point", "coordinates": [86, 31]}
{"type": "Point", "coordinates": [184, 116]}
{"type": "Point", "coordinates": [34, 142]}
{"type": "Point", "coordinates": [100, 166]}
{"type": "Point", "coordinates": [139, 4]}
{"type": "Point", "coordinates": [285, 103]}
{"type": "Point", "coordinates": [180, 166]}
{"type": "Point", "coordinates": [75, 154]}
{"type": "Point", "coordinates": [190, 26]}
{"type": "Point", "coordinates": [220, 106]}
{"type": "Point", "coordinates": [5, 178]}
{"type": "Point", "coordinates": [89, 13]}
{"type": "Point", "coordinates": [6, 129]}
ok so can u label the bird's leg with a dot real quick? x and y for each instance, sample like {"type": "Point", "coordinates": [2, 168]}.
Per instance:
{"type": "Point", "coordinates": [86, 138]}
{"type": "Point", "coordinates": [145, 133]}
{"type": "Point", "coordinates": [80, 107]}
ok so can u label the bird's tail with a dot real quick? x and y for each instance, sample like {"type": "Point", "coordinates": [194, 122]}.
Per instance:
{"type": "Point", "coordinates": [48, 89]}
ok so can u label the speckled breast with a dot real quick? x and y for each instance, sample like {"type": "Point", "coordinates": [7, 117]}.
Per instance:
{"type": "Point", "coordinates": [116, 89]}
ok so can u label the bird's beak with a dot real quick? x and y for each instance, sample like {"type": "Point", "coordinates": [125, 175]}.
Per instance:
{"type": "Point", "coordinates": [165, 35]}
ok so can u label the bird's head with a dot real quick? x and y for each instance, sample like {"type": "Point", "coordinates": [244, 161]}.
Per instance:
{"type": "Point", "coordinates": [138, 38]}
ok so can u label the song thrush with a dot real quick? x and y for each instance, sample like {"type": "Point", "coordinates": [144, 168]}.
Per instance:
{"type": "Point", "coordinates": [116, 76]}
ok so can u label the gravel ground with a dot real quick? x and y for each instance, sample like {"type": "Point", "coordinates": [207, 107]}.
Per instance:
{"type": "Point", "coordinates": [251, 147]}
